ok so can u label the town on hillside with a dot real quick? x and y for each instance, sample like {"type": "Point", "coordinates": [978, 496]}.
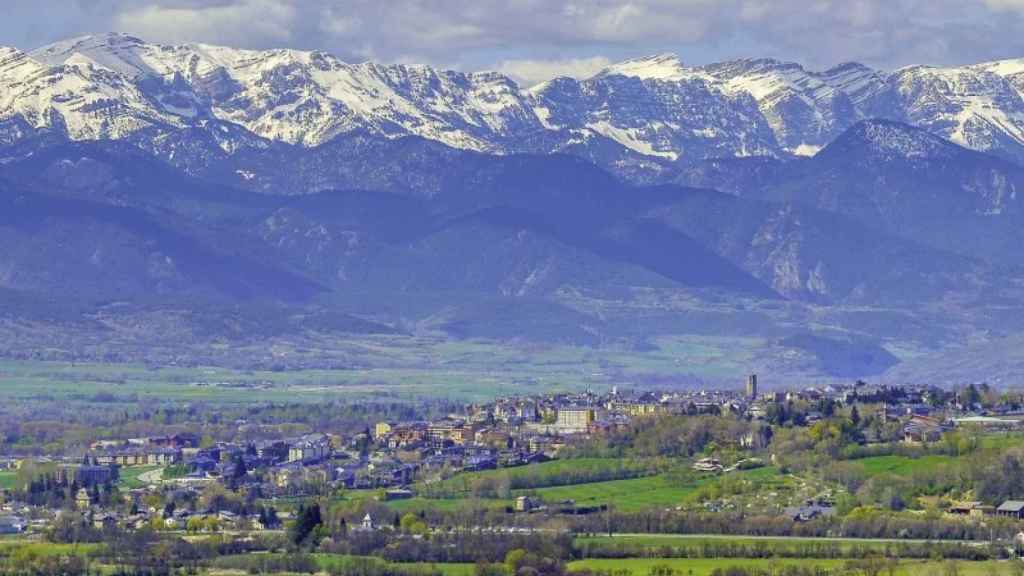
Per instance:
{"type": "Point", "coordinates": [190, 482]}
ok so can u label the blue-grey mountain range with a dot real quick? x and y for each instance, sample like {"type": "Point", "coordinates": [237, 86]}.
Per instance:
{"type": "Point", "coordinates": [843, 217]}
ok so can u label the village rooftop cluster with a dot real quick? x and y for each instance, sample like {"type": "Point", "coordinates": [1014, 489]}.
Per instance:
{"type": "Point", "coordinates": [394, 458]}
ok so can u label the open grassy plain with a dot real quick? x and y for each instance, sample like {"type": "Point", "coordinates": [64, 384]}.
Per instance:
{"type": "Point", "coordinates": [705, 567]}
{"type": "Point", "coordinates": [397, 367]}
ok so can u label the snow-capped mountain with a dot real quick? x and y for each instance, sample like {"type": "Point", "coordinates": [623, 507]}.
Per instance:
{"type": "Point", "coordinates": [657, 107]}
{"type": "Point", "coordinates": [974, 106]}
{"type": "Point", "coordinates": [803, 109]}
{"type": "Point", "coordinates": [74, 98]}
{"type": "Point", "coordinates": [1012, 70]}
{"type": "Point", "coordinates": [637, 117]}
{"type": "Point", "coordinates": [303, 98]}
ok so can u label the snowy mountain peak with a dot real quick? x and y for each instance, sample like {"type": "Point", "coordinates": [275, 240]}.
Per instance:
{"type": "Point", "coordinates": [886, 140]}
{"type": "Point", "coordinates": [119, 86]}
{"type": "Point", "coordinates": [855, 80]}
{"type": "Point", "coordinates": [1012, 70]}
{"type": "Point", "coordinates": [658, 67]}
{"type": "Point", "coordinates": [296, 96]}
{"type": "Point", "coordinates": [110, 50]}
{"type": "Point", "coordinates": [14, 62]}
{"type": "Point", "coordinates": [1011, 67]}
{"type": "Point", "coordinates": [973, 107]}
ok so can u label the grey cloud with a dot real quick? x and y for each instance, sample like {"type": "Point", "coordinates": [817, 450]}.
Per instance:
{"type": "Point", "coordinates": [529, 72]}
{"type": "Point", "coordinates": [525, 37]}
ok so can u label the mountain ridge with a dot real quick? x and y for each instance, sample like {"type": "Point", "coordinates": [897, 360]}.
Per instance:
{"type": "Point", "coordinates": [833, 214]}
{"type": "Point", "coordinates": [636, 118]}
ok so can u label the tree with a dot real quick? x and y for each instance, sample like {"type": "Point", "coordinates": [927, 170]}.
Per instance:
{"type": "Point", "coordinates": [343, 528]}
{"type": "Point", "coordinates": [306, 521]}
{"type": "Point", "coordinates": [855, 416]}
{"type": "Point", "coordinates": [513, 559]}
{"type": "Point", "coordinates": [972, 396]}
{"type": "Point", "coordinates": [239, 471]}
{"type": "Point", "coordinates": [272, 519]}
{"type": "Point", "coordinates": [71, 527]}
{"type": "Point", "coordinates": [194, 524]}
{"type": "Point", "coordinates": [412, 524]}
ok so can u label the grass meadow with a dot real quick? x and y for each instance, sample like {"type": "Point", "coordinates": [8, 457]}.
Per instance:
{"type": "Point", "coordinates": [705, 567]}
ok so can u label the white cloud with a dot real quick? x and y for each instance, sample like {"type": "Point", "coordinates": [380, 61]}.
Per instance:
{"type": "Point", "coordinates": [1005, 5]}
{"type": "Point", "coordinates": [530, 72]}
{"type": "Point", "coordinates": [224, 22]}
{"type": "Point", "coordinates": [526, 36]}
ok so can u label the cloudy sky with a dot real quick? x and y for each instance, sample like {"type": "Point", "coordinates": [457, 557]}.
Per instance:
{"type": "Point", "coordinates": [538, 39]}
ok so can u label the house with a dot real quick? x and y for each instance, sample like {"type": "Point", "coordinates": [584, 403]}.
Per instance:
{"type": "Point", "coordinates": [89, 475]}
{"type": "Point", "coordinates": [179, 520]}
{"type": "Point", "coordinates": [966, 509]}
{"type": "Point", "coordinates": [397, 494]}
{"type": "Point", "coordinates": [177, 441]}
{"type": "Point", "coordinates": [574, 419]}
{"type": "Point", "coordinates": [227, 517]}
{"type": "Point", "coordinates": [407, 435]}
{"type": "Point", "coordinates": [309, 448]}
{"type": "Point", "coordinates": [922, 429]}
{"type": "Point", "coordinates": [273, 451]}
{"type": "Point", "coordinates": [809, 512]}
{"type": "Point", "coordinates": [105, 521]}
{"type": "Point", "coordinates": [449, 430]}
{"type": "Point", "coordinates": [138, 521]}
{"type": "Point", "coordinates": [346, 476]}
{"type": "Point", "coordinates": [526, 503]}
{"type": "Point", "coordinates": [1011, 509]}
{"type": "Point", "coordinates": [989, 423]}
{"type": "Point", "coordinates": [12, 525]}
{"type": "Point", "coordinates": [123, 458]}
{"type": "Point", "coordinates": [204, 464]}
{"type": "Point", "coordinates": [381, 429]}
{"type": "Point", "coordinates": [163, 456]}
{"type": "Point", "coordinates": [758, 411]}
{"type": "Point", "coordinates": [636, 408]}
{"type": "Point", "coordinates": [82, 499]}
{"type": "Point", "coordinates": [499, 439]}
{"type": "Point", "coordinates": [707, 465]}
{"type": "Point", "coordinates": [481, 462]}
{"type": "Point", "coordinates": [367, 523]}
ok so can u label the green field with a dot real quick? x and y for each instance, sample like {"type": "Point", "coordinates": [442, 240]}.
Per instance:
{"type": "Point", "coordinates": [46, 548]}
{"type": "Point", "coordinates": [392, 367]}
{"type": "Point", "coordinates": [901, 465]}
{"type": "Point", "coordinates": [447, 505]}
{"type": "Point", "coordinates": [636, 566]}
{"type": "Point", "coordinates": [461, 483]}
{"type": "Point", "coordinates": [654, 542]}
{"type": "Point", "coordinates": [333, 562]}
{"type": "Point", "coordinates": [7, 479]}
{"type": "Point", "coordinates": [130, 476]}
{"type": "Point", "coordinates": [704, 567]}
{"type": "Point", "coordinates": [328, 561]}
{"type": "Point", "coordinates": [642, 493]}
{"type": "Point", "coordinates": [624, 495]}
{"type": "Point", "coordinates": [630, 495]}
